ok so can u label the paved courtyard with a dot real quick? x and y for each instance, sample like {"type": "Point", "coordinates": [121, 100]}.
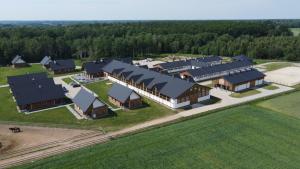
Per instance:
{"type": "Point", "coordinates": [289, 76]}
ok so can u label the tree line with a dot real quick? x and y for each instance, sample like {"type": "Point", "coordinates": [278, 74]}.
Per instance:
{"type": "Point", "coordinates": [258, 39]}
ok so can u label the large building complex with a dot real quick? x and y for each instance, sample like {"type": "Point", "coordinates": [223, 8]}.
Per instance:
{"type": "Point", "coordinates": [170, 91]}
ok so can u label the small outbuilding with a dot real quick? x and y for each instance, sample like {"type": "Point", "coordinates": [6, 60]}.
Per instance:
{"type": "Point", "coordinates": [124, 97]}
{"type": "Point", "coordinates": [240, 81]}
{"type": "Point", "coordinates": [62, 66]}
{"type": "Point", "coordinates": [88, 104]}
{"type": "Point", "coordinates": [18, 62]}
{"type": "Point", "coordinates": [46, 61]}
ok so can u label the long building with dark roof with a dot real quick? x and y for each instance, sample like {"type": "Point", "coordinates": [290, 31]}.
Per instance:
{"type": "Point", "coordinates": [170, 91]}
{"type": "Point", "coordinates": [62, 66]}
{"type": "Point", "coordinates": [35, 91]}
{"type": "Point", "coordinates": [181, 65]}
{"type": "Point", "coordinates": [216, 71]}
{"type": "Point", "coordinates": [240, 81]}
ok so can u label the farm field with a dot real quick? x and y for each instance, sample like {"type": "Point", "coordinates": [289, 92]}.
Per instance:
{"type": "Point", "coordinates": [61, 117]}
{"type": "Point", "coordinates": [242, 137]}
{"type": "Point", "coordinates": [296, 31]}
{"type": "Point", "coordinates": [9, 71]}
{"type": "Point", "coordinates": [288, 104]}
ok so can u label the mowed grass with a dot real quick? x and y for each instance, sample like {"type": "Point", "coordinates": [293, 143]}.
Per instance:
{"type": "Point", "coordinates": [288, 104]}
{"type": "Point", "coordinates": [276, 66]}
{"type": "Point", "coordinates": [296, 31]}
{"type": "Point", "coordinates": [245, 93]}
{"type": "Point", "coordinates": [61, 117]}
{"type": "Point", "coordinates": [68, 80]}
{"type": "Point", "coordinates": [241, 137]}
{"type": "Point", "coordinates": [270, 87]}
{"type": "Point", "coordinates": [9, 71]}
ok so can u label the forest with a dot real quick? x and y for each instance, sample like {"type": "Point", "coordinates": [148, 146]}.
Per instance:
{"type": "Point", "coordinates": [264, 39]}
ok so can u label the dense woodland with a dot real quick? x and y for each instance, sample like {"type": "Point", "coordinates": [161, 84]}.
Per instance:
{"type": "Point", "coordinates": [258, 39]}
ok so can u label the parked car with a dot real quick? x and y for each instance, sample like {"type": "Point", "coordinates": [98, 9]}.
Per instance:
{"type": "Point", "coordinates": [65, 90]}
{"type": "Point", "coordinates": [75, 85]}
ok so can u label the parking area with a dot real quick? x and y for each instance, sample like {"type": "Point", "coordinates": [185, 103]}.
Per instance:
{"type": "Point", "coordinates": [81, 78]}
{"type": "Point", "coordinates": [289, 76]}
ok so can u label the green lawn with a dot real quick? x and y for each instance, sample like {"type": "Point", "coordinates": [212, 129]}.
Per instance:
{"type": "Point", "coordinates": [241, 137]}
{"type": "Point", "coordinates": [62, 116]}
{"type": "Point", "coordinates": [296, 31]}
{"type": "Point", "coordinates": [9, 71]}
{"type": "Point", "coordinates": [245, 93]}
{"type": "Point", "coordinates": [276, 66]}
{"type": "Point", "coordinates": [288, 104]}
{"type": "Point", "coordinates": [101, 89]}
{"type": "Point", "coordinates": [68, 80]}
{"type": "Point", "coordinates": [270, 87]}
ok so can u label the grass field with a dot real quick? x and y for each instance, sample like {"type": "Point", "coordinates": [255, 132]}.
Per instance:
{"type": "Point", "coordinates": [245, 93]}
{"type": "Point", "coordinates": [288, 104]}
{"type": "Point", "coordinates": [242, 137]}
{"type": "Point", "coordinates": [68, 80]}
{"type": "Point", "coordinates": [276, 66]}
{"type": "Point", "coordinates": [296, 31]}
{"type": "Point", "coordinates": [270, 87]}
{"type": "Point", "coordinates": [62, 116]}
{"type": "Point", "coordinates": [9, 71]}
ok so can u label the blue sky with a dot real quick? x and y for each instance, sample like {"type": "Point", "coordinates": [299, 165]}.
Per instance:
{"type": "Point", "coordinates": [147, 9]}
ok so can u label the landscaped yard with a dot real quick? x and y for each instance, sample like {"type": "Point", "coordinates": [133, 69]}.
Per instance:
{"type": "Point", "coordinates": [242, 137]}
{"type": "Point", "coordinates": [68, 80]}
{"type": "Point", "coordinates": [245, 93]}
{"type": "Point", "coordinates": [62, 116]}
{"type": "Point", "coordinates": [270, 87]}
{"type": "Point", "coordinates": [288, 104]}
{"type": "Point", "coordinates": [9, 71]}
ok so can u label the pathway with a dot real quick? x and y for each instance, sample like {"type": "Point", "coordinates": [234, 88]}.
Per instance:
{"type": "Point", "coordinates": [77, 115]}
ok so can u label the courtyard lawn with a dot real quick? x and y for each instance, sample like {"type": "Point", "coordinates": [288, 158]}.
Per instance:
{"type": "Point", "coordinates": [270, 87]}
{"type": "Point", "coordinates": [296, 31]}
{"type": "Point", "coordinates": [9, 71]}
{"type": "Point", "coordinates": [241, 137]}
{"type": "Point", "coordinates": [61, 117]}
{"type": "Point", "coordinates": [101, 89]}
{"type": "Point", "coordinates": [288, 104]}
{"type": "Point", "coordinates": [68, 80]}
{"type": "Point", "coordinates": [245, 93]}
{"type": "Point", "coordinates": [277, 65]}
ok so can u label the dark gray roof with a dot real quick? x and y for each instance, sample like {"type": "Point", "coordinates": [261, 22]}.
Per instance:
{"type": "Point", "coordinates": [201, 61]}
{"type": "Point", "coordinates": [18, 60]}
{"type": "Point", "coordinates": [206, 71]}
{"type": "Point", "coordinates": [245, 76]}
{"type": "Point", "coordinates": [62, 64]}
{"type": "Point", "coordinates": [120, 93]}
{"type": "Point", "coordinates": [46, 60]}
{"type": "Point", "coordinates": [242, 58]}
{"type": "Point", "coordinates": [94, 67]}
{"type": "Point", "coordinates": [33, 88]}
{"type": "Point", "coordinates": [85, 99]}
{"type": "Point", "coordinates": [169, 86]}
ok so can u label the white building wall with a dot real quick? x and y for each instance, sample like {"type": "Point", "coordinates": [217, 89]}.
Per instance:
{"type": "Point", "coordinates": [242, 87]}
{"type": "Point", "coordinates": [259, 82]}
{"type": "Point", "coordinates": [172, 103]}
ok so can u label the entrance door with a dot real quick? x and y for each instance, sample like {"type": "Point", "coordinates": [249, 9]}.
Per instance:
{"type": "Point", "coordinates": [193, 99]}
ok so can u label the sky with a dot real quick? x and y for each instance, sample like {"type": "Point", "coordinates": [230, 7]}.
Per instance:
{"type": "Point", "coordinates": [148, 9]}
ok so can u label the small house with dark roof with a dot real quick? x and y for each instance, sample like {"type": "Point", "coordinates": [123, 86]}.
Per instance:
{"type": "Point", "coordinates": [240, 81]}
{"type": "Point", "coordinates": [62, 66]}
{"type": "Point", "coordinates": [35, 91]}
{"type": "Point", "coordinates": [46, 61]}
{"type": "Point", "coordinates": [88, 104]}
{"type": "Point", "coordinates": [124, 97]}
{"type": "Point", "coordinates": [18, 62]}
{"type": "Point", "coordinates": [94, 69]}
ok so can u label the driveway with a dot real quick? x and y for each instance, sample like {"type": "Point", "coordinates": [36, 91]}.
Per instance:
{"type": "Point", "coordinates": [71, 90]}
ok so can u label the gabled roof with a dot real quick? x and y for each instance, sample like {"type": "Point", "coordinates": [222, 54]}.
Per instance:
{"type": "Point", "coordinates": [62, 64]}
{"type": "Point", "coordinates": [169, 86]}
{"type": "Point", "coordinates": [242, 58]}
{"type": "Point", "coordinates": [218, 68]}
{"type": "Point", "coordinates": [46, 60]}
{"type": "Point", "coordinates": [122, 93]}
{"type": "Point", "coordinates": [33, 88]}
{"type": "Point", "coordinates": [18, 60]}
{"type": "Point", "coordinates": [85, 99]}
{"type": "Point", "coordinates": [245, 76]}
{"type": "Point", "coordinates": [94, 67]}
{"type": "Point", "coordinates": [175, 64]}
